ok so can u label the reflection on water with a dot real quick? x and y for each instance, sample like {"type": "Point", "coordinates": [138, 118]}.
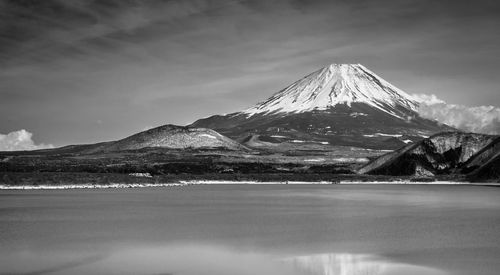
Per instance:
{"type": "Point", "coordinates": [208, 260]}
{"type": "Point", "coordinates": [338, 264]}
{"type": "Point", "coordinates": [352, 264]}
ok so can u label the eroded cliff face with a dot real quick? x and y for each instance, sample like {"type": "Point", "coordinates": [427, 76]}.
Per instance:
{"type": "Point", "coordinates": [440, 154]}
{"type": "Point", "coordinates": [463, 145]}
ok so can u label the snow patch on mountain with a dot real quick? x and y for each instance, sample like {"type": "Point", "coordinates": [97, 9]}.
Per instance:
{"type": "Point", "coordinates": [383, 135]}
{"type": "Point", "coordinates": [333, 85]}
{"type": "Point", "coordinates": [208, 136]}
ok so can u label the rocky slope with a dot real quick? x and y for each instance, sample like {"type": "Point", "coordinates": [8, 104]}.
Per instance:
{"type": "Point", "coordinates": [445, 153]}
{"type": "Point", "coordinates": [341, 104]}
{"type": "Point", "coordinates": [490, 171]}
{"type": "Point", "coordinates": [485, 164]}
{"type": "Point", "coordinates": [486, 154]}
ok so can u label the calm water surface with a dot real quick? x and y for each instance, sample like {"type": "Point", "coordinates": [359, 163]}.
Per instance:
{"type": "Point", "coordinates": [252, 229]}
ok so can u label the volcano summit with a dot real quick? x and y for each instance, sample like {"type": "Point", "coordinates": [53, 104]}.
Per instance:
{"type": "Point", "coordinates": [341, 104]}
{"type": "Point", "coordinates": [334, 85]}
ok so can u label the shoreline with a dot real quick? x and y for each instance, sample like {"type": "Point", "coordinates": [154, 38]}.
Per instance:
{"type": "Point", "coordinates": [342, 182]}
{"type": "Point", "coordinates": [222, 182]}
{"type": "Point", "coordinates": [87, 186]}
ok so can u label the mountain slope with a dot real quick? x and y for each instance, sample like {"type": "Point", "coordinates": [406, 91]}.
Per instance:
{"type": "Point", "coordinates": [341, 104]}
{"type": "Point", "coordinates": [440, 154]}
{"type": "Point", "coordinates": [175, 137]}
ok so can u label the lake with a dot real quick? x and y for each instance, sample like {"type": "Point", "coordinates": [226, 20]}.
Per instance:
{"type": "Point", "coordinates": [252, 229]}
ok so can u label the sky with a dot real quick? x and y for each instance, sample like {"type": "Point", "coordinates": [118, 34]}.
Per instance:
{"type": "Point", "coordinates": [83, 71]}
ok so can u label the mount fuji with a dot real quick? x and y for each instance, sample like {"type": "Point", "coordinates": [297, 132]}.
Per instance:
{"type": "Point", "coordinates": [340, 105]}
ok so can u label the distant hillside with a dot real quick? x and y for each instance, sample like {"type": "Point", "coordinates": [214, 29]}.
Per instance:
{"type": "Point", "coordinates": [175, 137]}
{"type": "Point", "coordinates": [167, 136]}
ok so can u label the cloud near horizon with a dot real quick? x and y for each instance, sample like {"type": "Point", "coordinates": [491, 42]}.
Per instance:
{"type": "Point", "coordinates": [19, 141]}
{"type": "Point", "coordinates": [477, 119]}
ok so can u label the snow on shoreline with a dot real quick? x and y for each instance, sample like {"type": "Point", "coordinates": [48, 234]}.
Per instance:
{"type": "Point", "coordinates": [196, 182]}
{"type": "Point", "coordinates": [86, 186]}
{"type": "Point", "coordinates": [219, 182]}
{"type": "Point", "coordinates": [200, 182]}
{"type": "Point", "coordinates": [409, 182]}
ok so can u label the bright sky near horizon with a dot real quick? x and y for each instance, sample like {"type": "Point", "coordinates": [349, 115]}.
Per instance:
{"type": "Point", "coordinates": [84, 71]}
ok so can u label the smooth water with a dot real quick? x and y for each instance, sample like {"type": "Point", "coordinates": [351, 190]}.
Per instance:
{"type": "Point", "coordinates": [252, 229]}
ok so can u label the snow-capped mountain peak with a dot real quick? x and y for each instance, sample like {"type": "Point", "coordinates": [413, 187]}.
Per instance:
{"type": "Point", "coordinates": [333, 85]}
{"type": "Point", "coordinates": [341, 105]}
